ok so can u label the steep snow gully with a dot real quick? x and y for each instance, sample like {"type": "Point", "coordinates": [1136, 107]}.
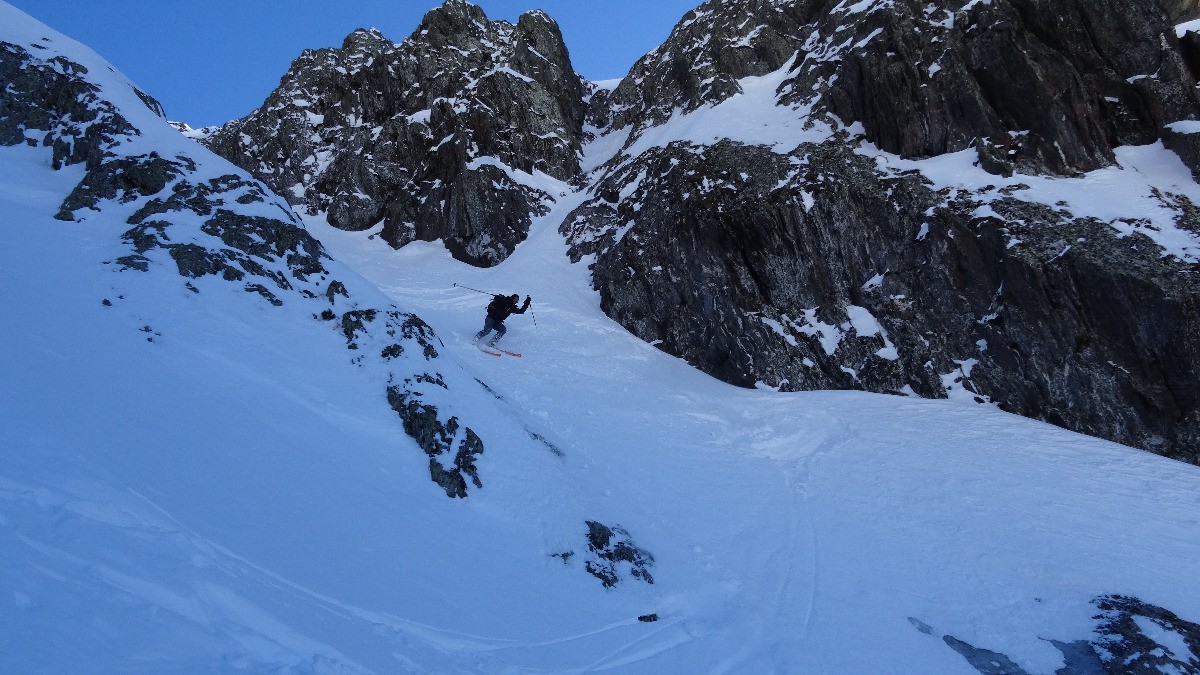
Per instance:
{"type": "Point", "coordinates": [197, 479]}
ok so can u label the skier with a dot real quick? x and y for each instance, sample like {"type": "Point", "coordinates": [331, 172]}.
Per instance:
{"type": "Point", "coordinates": [498, 310]}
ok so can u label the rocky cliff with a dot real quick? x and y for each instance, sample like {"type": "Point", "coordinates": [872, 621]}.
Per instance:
{"type": "Point", "coordinates": [460, 132]}
{"type": "Point", "coordinates": [819, 257]}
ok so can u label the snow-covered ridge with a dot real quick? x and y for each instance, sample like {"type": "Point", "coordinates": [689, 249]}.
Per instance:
{"type": "Point", "coordinates": [19, 29]}
{"type": "Point", "coordinates": [198, 135]}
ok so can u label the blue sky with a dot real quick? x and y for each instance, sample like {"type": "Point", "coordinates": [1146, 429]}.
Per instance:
{"type": "Point", "coordinates": [218, 60]}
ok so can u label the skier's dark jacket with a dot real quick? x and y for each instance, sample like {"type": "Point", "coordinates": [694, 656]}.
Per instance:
{"type": "Point", "coordinates": [502, 306]}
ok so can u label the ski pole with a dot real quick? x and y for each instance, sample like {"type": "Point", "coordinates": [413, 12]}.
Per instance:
{"type": "Point", "coordinates": [473, 289]}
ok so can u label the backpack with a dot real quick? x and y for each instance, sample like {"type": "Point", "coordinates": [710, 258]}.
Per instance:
{"type": "Point", "coordinates": [496, 308]}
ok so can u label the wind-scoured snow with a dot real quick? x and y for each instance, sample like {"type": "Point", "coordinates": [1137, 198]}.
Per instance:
{"type": "Point", "coordinates": [205, 482]}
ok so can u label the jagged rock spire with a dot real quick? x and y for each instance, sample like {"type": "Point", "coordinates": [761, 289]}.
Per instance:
{"type": "Point", "coordinates": [437, 137]}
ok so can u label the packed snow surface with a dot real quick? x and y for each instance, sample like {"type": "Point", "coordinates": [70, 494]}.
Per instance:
{"type": "Point", "coordinates": [204, 482]}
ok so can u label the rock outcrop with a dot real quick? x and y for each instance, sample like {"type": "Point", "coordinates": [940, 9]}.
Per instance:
{"type": "Point", "coordinates": [1045, 86]}
{"type": "Point", "coordinates": [453, 134]}
{"type": "Point", "coordinates": [611, 556]}
{"type": "Point", "coordinates": [1131, 636]}
{"type": "Point", "coordinates": [47, 103]}
{"type": "Point", "coordinates": [1181, 10]}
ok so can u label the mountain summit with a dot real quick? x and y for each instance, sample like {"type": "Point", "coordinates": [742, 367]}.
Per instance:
{"type": "Point", "coordinates": [451, 134]}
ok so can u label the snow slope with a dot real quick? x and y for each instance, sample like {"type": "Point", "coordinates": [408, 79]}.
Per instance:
{"type": "Point", "coordinates": [802, 531]}
{"type": "Point", "coordinates": [207, 483]}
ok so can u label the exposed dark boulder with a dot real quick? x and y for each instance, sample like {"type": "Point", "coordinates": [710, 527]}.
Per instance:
{"type": "Point", "coordinates": [451, 459]}
{"type": "Point", "coordinates": [612, 556]}
{"type": "Point", "coordinates": [611, 553]}
{"type": "Point", "coordinates": [1181, 10]}
{"type": "Point", "coordinates": [1184, 139]}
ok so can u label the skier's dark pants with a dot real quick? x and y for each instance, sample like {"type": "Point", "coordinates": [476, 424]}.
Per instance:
{"type": "Point", "coordinates": [489, 325]}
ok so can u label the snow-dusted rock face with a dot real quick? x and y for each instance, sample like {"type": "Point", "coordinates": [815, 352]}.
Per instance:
{"type": "Point", "coordinates": [1045, 86]}
{"type": "Point", "coordinates": [707, 53]}
{"type": "Point", "coordinates": [611, 556]}
{"type": "Point", "coordinates": [863, 195]}
{"type": "Point", "coordinates": [193, 221]}
{"type": "Point", "coordinates": [46, 103]}
{"type": "Point", "coordinates": [442, 136]}
{"type": "Point", "coordinates": [195, 134]}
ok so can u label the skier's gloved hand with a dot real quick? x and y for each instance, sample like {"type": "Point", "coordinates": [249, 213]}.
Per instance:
{"type": "Point", "coordinates": [527, 301]}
